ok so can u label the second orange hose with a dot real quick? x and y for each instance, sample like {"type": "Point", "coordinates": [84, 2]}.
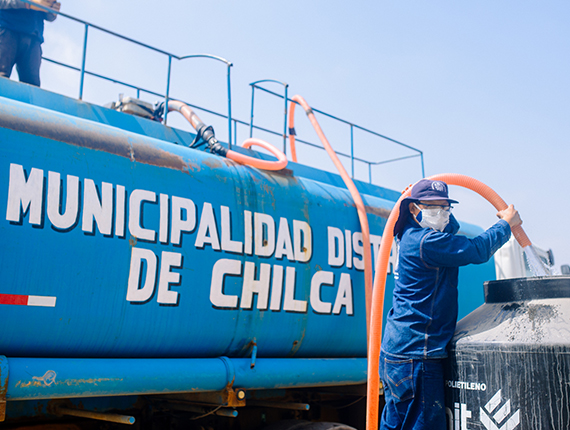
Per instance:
{"type": "Point", "coordinates": [281, 162]}
{"type": "Point", "coordinates": [367, 257]}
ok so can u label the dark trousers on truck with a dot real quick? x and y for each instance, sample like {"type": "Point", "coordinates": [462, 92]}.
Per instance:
{"type": "Point", "coordinates": [23, 51]}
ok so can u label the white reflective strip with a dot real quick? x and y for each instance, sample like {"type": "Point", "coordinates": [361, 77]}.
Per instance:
{"type": "Point", "coordinates": [486, 421]}
{"type": "Point", "coordinates": [513, 421]}
{"type": "Point", "coordinates": [494, 402]}
{"type": "Point", "coordinates": [41, 301]}
{"type": "Point", "coordinates": [503, 412]}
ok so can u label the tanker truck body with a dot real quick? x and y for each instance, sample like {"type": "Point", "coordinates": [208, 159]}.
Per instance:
{"type": "Point", "coordinates": [142, 280]}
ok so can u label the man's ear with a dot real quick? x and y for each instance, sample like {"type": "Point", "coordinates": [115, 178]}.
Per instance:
{"type": "Point", "coordinates": [413, 209]}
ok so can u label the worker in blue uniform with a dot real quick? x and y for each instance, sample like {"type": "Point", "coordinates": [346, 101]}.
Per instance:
{"type": "Point", "coordinates": [422, 319]}
{"type": "Point", "coordinates": [21, 36]}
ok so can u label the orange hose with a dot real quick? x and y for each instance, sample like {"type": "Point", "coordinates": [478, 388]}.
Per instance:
{"type": "Point", "coordinates": [373, 387]}
{"type": "Point", "coordinates": [292, 131]}
{"type": "Point", "coordinates": [486, 192]}
{"type": "Point", "coordinates": [367, 257]}
{"type": "Point", "coordinates": [256, 162]}
{"type": "Point", "coordinates": [196, 122]}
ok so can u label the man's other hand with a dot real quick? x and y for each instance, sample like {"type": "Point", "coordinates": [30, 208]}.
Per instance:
{"type": "Point", "coordinates": [510, 215]}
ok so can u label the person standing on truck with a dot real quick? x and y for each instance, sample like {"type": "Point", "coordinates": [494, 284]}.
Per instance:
{"type": "Point", "coordinates": [422, 319]}
{"type": "Point", "coordinates": [21, 36]}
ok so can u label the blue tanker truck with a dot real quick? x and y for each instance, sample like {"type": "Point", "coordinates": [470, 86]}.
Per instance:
{"type": "Point", "coordinates": [145, 282]}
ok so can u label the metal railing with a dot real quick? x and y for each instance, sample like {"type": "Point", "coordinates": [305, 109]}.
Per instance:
{"type": "Point", "coordinates": [417, 152]}
{"type": "Point", "coordinates": [231, 121]}
{"type": "Point", "coordinates": [166, 95]}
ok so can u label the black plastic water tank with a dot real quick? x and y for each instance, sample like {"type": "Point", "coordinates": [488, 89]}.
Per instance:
{"type": "Point", "coordinates": [509, 360]}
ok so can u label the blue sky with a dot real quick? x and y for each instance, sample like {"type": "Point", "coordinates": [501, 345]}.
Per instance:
{"type": "Point", "coordinates": [481, 87]}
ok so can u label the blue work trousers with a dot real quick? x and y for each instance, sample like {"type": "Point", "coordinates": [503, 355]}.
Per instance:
{"type": "Point", "coordinates": [413, 391]}
{"type": "Point", "coordinates": [22, 50]}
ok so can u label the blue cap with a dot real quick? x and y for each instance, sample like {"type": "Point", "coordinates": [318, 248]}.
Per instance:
{"type": "Point", "coordinates": [424, 190]}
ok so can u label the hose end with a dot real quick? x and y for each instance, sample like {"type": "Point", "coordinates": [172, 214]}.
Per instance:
{"type": "Point", "coordinates": [217, 148]}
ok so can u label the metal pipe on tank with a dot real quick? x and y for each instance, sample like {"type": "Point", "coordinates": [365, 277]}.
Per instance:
{"type": "Point", "coordinates": [51, 378]}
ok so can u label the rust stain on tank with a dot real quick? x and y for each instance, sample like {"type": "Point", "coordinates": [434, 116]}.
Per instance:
{"type": "Point", "coordinates": [213, 163]}
{"type": "Point", "coordinates": [229, 162]}
{"type": "Point", "coordinates": [66, 382]}
{"type": "Point", "coordinates": [297, 344]}
{"type": "Point", "coordinates": [194, 167]}
{"type": "Point", "coordinates": [381, 212]}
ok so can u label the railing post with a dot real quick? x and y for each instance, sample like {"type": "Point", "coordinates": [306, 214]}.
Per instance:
{"type": "Point", "coordinates": [229, 108]}
{"type": "Point", "coordinates": [369, 173]}
{"type": "Point", "coordinates": [229, 88]}
{"type": "Point", "coordinates": [82, 78]}
{"type": "Point", "coordinates": [352, 150]}
{"type": "Point", "coordinates": [285, 122]}
{"type": "Point", "coordinates": [285, 98]}
{"type": "Point", "coordinates": [422, 158]}
{"type": "Point", "coordinates": [167, 88]}
{"type": "Point", "coordinates": [251, 115]}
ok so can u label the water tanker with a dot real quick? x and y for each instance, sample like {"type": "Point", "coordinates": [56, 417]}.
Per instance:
{"type": "Point", "coordinates": [130, 241]}
{"type": "Point", "coordinates": [144, 281]}
{"type": "Point", "coordinates": [134, 266]}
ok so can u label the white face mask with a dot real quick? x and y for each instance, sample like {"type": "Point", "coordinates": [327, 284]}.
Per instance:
{"type": "Point", "coordinates": [436, 219]}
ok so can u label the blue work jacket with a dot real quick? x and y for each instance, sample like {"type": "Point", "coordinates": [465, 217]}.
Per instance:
{"type": "Point", "coordinates": [424, 309]}
{"type": "Point", "coordinates": [30, 22]}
